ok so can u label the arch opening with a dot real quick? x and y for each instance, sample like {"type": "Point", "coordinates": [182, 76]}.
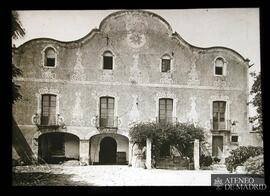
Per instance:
{"type": "Point", "coordinates": [56, 147]}
{"type": "Point", "coordinates": [109, 149]}
{"type": "Point", "coordinates": [107, 152]}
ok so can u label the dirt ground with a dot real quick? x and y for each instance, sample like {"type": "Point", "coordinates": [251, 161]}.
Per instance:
{"type": "Point", "coordinates": [59, 175]}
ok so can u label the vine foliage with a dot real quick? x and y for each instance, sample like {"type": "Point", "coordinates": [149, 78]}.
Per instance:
{"type": "Point", "coordinates": [180, 135]}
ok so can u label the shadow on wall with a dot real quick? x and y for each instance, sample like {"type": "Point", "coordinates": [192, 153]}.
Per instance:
{"type": "Point", "coordinates": [21, 146]}
{"type": "Point", "coordinates": [55, 147]}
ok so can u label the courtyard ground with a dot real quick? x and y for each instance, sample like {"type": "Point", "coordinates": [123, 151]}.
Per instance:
{"type": "Point", "coordinates": [58, 175]}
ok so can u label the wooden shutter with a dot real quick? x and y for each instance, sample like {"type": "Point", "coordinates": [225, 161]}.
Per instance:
{"type": "Point", "coordinates": [48, 114]}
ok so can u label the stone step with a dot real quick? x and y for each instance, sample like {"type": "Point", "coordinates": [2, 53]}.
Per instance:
{"type": "Point", "coordinates": [172, 167]}
{"type": "Point", "coordinates": [219, 167]}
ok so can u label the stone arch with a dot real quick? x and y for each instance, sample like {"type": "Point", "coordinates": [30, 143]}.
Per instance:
{"type": "Point", "coordinates": [58, 146]}
{"type": "Point", "coordinates": [122, 148]}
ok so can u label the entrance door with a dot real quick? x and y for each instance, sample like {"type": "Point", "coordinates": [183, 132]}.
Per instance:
{"type": "Point", "coordinates": [217, 145]}
{"type": "Point", "coordinates": [107, 153]}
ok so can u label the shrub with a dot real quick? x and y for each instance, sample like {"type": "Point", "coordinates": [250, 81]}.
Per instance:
{"type": "Point", "coordinates": [255, 165]}
{"type": "Point", "coordinates": [181, 135]}
{"type": "Point", "coordinates": [240, 155]}
{"type": "Point", "coordinates": [205, 161]}
{"type": "Point", "coordinates": [216, 159]}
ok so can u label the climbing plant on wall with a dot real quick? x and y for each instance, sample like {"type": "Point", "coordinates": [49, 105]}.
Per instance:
{"type": "Point", "coordinates": [180, 135]}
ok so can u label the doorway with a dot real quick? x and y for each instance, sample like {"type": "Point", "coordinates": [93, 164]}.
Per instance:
{"type": "Point", "coordinates": [107, 153]}
{"type": "Point", "coordinates": [217, 145]}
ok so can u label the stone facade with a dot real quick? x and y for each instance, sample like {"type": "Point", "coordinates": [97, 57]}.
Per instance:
{"type": "Point", "coordinates": [137, 40]}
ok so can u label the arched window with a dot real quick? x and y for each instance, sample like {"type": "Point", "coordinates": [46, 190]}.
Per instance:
{"type": "Point", "coordinates": [165, 63]}
{"type": "Point", "coordinates": [107, 60]}
{"type": "Point", "coordinates": [219, 66]}
{"type": "Point", "coordinates": [50, 57]}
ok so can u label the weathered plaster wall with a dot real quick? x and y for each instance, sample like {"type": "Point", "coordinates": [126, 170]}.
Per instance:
{"type": "Point", "coordinates": [71, 146]}
{"type": "Point", "coordinates": [137, 40]}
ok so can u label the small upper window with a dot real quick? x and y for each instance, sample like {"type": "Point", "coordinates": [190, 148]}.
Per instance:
{"type": "Point", "coordinates": [50, 57]}
{"type": "Point", "coordinates": [166, 63]}
{"type": "Point", "coordinates": [219, 66]}
{"type": "Point", "coordinates": [234, 138]}
{"type": "Point", "coordinates": [107, 60]}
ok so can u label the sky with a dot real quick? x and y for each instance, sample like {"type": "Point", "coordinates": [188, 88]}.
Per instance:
{"type": "Point", "coordinates": [236, 28]}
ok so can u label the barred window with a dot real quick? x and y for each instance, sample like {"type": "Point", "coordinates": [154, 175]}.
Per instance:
{"type": "Point", "coordinates": [234, 138]}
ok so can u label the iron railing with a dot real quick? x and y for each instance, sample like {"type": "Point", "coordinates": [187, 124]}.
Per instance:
{"type": "Point", "coordinates": [167, 120]}
{"type": "Point", "coordinates": [107, 123]}
{"type": "Point", "coordinates": [57, 122]}
{"type": "Point", "coordinates": [220, 126]}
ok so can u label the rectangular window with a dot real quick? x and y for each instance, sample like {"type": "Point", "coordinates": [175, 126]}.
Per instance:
{"type": "Point", "coordinates": [234, 138]}
{"type": "Point", "coordinates": [107, 62]}
{"type": "Point", "coordinates": [165, 65]}
{"type": "Point", "coordinates": [165, 110]}
{"type": "Point", "coordinates": [48, 114]}
{"type": "Point", "coordinates": [219, 108]}
{"type": "Point", "coordinates": [50, 62]}
{"type": "Point", "coordinates": [219, 70]}
{"type": "Point", "coordinates": [50, 57]}
{"type": "Point", "coordinates": [107, 112]}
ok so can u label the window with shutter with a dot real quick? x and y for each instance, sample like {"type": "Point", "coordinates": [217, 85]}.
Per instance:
{"type": "Point", "coordinates": [48, 114]}
{"type": "Point", "coordinates": [219, 108]}
{"type": "Point", "coordinates": [107, 112]}
{"type": "Point", "coordinates": [165, 110]}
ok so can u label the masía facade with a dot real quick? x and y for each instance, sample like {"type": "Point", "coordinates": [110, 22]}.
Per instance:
{"type": "Point", "coordinates": [81, 97]}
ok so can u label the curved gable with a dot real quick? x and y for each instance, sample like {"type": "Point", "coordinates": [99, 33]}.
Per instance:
{"type": "Point", "coordinates": [128, 21]}
{"type": "Point", "coordinates": [134, 20]}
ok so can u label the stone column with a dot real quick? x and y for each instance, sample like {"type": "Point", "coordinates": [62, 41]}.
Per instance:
{"type": "Point", "coordinates": [130, 153]}
{"type": "Point", "coordinates": [84, 152]}
{"type": "Point", "coordinates": [196, 154]}
{"type": "Point", "coordinates": [148, 153]}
